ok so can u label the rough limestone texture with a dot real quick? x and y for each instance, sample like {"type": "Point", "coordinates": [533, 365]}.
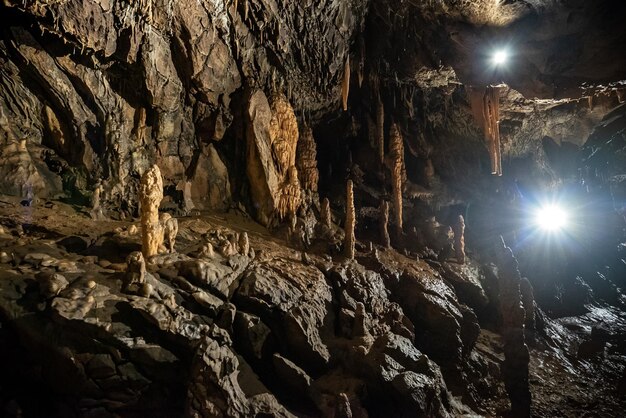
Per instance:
{"type": "Point", "coordinates": [151, 193]}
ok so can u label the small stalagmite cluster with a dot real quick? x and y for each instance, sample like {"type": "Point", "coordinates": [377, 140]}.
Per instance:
{"type": "Point", "coordinates": [396, 151]}
{"type": "Point", "coordinates": [306, 160]}
{"type": "Point", "coordinates": [150, 195]}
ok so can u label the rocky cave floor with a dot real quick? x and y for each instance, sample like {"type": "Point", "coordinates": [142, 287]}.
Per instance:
{"type": "Point", "coordinates": [271, 332]}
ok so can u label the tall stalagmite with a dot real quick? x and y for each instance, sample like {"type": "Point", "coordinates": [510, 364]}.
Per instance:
{"type": "Point", "coordinates": [383, 222]}
{"type": "Point", "coordinates": [306, 160]}
{"type": "Point", "coordinates": [150, 195]}
{"type": "Point", "coordinates": [459, 239]}
{"type": "Point", "coordinates": [349, 239]}
{"type": "Point", "coordinates": [326, 218]}
{"type": "Point", "coordinates": [396, 150]}
{"type": "Point", "coordinates": [485, 103]}
{"type": "Point", "coordinates": [516, 356]}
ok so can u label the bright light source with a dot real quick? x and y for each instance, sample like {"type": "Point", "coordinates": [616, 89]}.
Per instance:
{"type": "Point", "coordinates": [551, 218]}
{"type": "Point", "coordinates": [500, 57]}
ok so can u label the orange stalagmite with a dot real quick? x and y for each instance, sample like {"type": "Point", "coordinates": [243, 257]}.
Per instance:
{"type": "Point", "coordinates": [151, 194]}
{"type": "Point", "coordinates": [325, 215]}
{"type": "Point", "coordinates": [396, 150]}
{"type": "Point", "coordinates": [349, 239]}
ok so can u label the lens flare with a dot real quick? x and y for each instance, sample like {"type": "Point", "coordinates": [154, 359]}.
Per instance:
{"type": "Point", "coordinates": [551, 218]}
{"type": "Point", "coordinates": [500, 57]}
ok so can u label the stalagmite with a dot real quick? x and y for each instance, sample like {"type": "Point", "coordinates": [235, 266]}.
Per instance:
{"type": "Point", "coordinates": [396, 150]}
{"type": "Point", "coordinates": [244, 244]}
{"type": "Point", "coordinates": [383, 223]}
{"type": "Point", "coordinates": [135, 275]}
{"type": "Point", "coordinates": [150, 195]}
{"type": "Point", "coordinates": [459, 239]}
{"type": "Point", "coordinates": [170, 230]}
{"type": "Point", "coordinates": [380, 129]}
{"type": "Point", "coordinates": [96, 210]}
{"type": "Point", "coordinates": [326, 218]}
{"type": "Point", "coordinates": [349, 239]}
{"type": "Point", "coordinates": [361, 69]}
{"type": "Point", "coordinates": [345, 85]}
{"type": "Point", "coordinates": [485, 105]}
{"type": "Point", "coordinates": [528, 301]}
{"type": "Point", "coordinates": [306, 160]}
{"type": "Point", "coordinates": [516, 356]}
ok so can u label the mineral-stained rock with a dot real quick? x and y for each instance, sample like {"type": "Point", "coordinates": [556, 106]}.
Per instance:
{"type": "Point", "coordinates": [396, 151]}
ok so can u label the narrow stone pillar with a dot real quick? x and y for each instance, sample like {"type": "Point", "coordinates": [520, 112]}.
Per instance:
{"type": "Point", "coordinates": [516, 355]}
{"type": "Point", "coordinates": [396, 148]}
{"type": "Point", "coordinates": [150, 195]}
{"type": "Point", "coordinates": [349, 239]}
{"type": "Point", "coordinates": [459, 239]}
{"type": "Point", "coordinates": [325, 216]}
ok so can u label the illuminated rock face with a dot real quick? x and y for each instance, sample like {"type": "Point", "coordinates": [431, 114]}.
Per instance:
{"type": "Point", "coordinates": [151, 193]}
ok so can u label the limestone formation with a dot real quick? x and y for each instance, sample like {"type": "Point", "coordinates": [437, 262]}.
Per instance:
{"type": "Point", "coordinates": [345, 84]}
{"type": "Point", "coordinates": [516, 355]}
{"type": "Point", "coordinates": [135, 275]}
{"type": "Point", "coordinates": [396, 150]}
{"type": "Point", "coordinates": [150, 195]}
{"type": "Point", "coordinates": [290, 196]}
{"type": "Point", "coordinates": [306, 161]}
{"type": "Point", "coordinates": [349, 240]}
{"type": "Point", "coordinates": [485, 103]}
{"type": "Point", "coordinates": [326, 218]}
{"type": "Point", "coordinates": [96, 210]}
{"type": "Point", "coordinates": [528, 302]}
{"type": "Point", "coordinates": [383, 223]}
{"type": "Point", "coordinates": [244, 244]}
{"type": "Point", "coordinates": [283, 131]}
{"type": "Point", "coordinates": [459, 239]}
{"type": "Point", "coordinates": [170, 230]}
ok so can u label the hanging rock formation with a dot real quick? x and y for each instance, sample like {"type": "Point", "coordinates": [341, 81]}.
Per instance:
{"type": "Point", "coordinates": [485, 105]}
{"type": "Point", "coordinates": [345, 84]}
{"type": "Point", "coordinates": [150, 195]}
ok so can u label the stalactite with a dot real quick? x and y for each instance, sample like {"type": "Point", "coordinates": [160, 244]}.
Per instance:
{"type": "Point", "coordinates": [516, 356]}
{"type": "Point", "coordinates": [150, 195]}
{"type": "Point", "coordinates": [345, 85]}
{"type": "Point", "coordinates": [306, 160]}
{"type": "Point", "coordinates": [459, 239]}
{"type": "Point", "coordinates": [380, 129]}
{"type": "Point", "coordinates": [326, 218]}
{"type": "Point", "coordinates": [383, 222]}
{"type": "Point", "coordinates": [349, 239]}
{"type": "Point", "coordinates": [485, 105]}
{"type": "Point", "coordinates": [396, 150]}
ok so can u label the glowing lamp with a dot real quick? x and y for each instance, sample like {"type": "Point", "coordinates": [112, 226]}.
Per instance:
{"type": "Point", "coordinates": [551, 218]}
{"type": "Point", "coordinates": [500, 57]}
